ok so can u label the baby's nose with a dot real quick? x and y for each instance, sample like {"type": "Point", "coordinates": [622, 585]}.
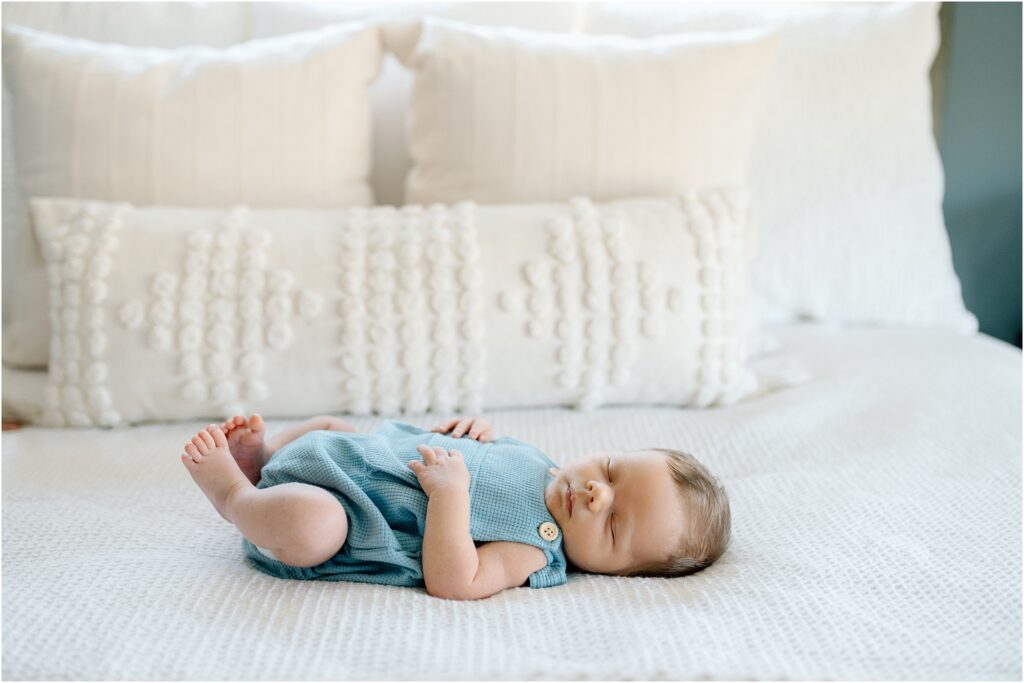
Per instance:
{"type": "Point", "coordinates": [598, 494]}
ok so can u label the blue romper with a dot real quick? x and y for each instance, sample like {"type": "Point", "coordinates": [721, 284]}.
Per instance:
{"type": "Point", "coordinates": [387, 508]}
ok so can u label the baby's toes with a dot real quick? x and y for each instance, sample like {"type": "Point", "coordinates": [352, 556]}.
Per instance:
{"type": "Point", "coordinates": [256, 423]}
{"type": "Point", "coordinates": [207, 439]}
{"type": "Point", "coordinates": [193, 452]}
{"type": "Point", "coordinates": [199, 444]}
{"type": "Point", "coordinates": [218, 437]}
{"type": "Point", "coordinates": [186, 459]}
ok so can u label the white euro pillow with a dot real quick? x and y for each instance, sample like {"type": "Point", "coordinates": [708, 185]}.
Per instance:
{"type": "Point", "coordinates": [512, 115]}
{"type": "Point", "coordinates": [845, 175]}
{"type": "Point", "coordinates": [389, 94]}
{"type": "Point", "coordinates": [177, 313]}
{"type": "Point", "coordinates": [275, 122]}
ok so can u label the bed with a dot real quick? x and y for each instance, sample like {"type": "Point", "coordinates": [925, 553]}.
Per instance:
{"type": "Point", "coordinates": [877, 535]}
{"type": "Point", "coordinates": [876, 504]}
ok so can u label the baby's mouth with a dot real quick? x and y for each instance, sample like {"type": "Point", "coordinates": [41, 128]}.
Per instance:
{"type": "Point", "coordinates": [568, 498]}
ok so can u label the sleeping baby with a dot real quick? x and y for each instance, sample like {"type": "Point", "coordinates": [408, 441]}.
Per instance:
{"type": "Point", "coordinates": [453, 509]}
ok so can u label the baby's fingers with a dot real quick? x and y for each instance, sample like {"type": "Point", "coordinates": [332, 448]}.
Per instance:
{"type": "Point", "coordinates": [480, 429]}
{"type": "Point", "coordinates": [429, 457]}
{"type": "Point", "coordinates": [445, 426]}
{"type": "Point", "coordinates": [462, 427]}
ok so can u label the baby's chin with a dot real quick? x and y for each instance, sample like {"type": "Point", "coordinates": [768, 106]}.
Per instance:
{"type": "Point", "coordinates": [553, 501]}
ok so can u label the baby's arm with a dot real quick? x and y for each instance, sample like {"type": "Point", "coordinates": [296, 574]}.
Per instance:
{"type": "Point", "coordinates": [453, 567]}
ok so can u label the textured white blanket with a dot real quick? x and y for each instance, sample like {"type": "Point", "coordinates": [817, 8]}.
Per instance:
{"type": "Point", "coordinates": [877, 535]}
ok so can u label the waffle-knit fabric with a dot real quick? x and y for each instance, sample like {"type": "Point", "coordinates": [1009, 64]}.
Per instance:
{"type": "Point", "coordinates": [876, 536]}
{"type": "Point", "coordinates": [387, 509]}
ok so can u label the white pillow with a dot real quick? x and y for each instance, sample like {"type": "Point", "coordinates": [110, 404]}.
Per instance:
{"type": "Point", "coordinates": [510, 115]}
{"type": "Point", "coordinates": [276, 122]}
{"type": "Point", "coordinates": [845, 176]}
{"type": "Point", "coordinates": [173, 313]}
{"type": "Point", "coordinates": [150, 24]}
{"type": "Point", "coordinates": [389, 94]}
{"type": "Point", "coordinates": [145, 24]}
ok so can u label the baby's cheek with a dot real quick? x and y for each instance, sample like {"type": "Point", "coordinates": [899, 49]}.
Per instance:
{"type": "Point", "coordinates": [578, 547]}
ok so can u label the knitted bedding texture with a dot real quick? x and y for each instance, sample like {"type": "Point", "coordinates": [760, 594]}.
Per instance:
{"type": "Point", "coordinates": [876, 535]}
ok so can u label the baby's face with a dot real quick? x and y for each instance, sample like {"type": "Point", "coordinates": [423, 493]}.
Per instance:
{"type": "Point", "coordinates": [620, 517]}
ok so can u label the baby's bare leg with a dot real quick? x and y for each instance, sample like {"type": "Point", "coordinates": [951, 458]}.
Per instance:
{"type": "Point", "coordinates": [286, 436]}
{"type": "Point", "coordinates": [303, 525]}
{"type": "Point", "coordinates": [250, 448]}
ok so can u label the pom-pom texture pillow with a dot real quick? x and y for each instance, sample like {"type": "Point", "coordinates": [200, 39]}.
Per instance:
{"type": "Point", "coordinates": [173, 313]}
{"type": "Point", "coordinates": [275, 122]}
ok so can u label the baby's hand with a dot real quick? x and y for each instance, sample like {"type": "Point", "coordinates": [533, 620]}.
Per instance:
{"type": "Point", "coordinates": [440, 469]}
{"type": "Point", "coordinates": [479, 428]}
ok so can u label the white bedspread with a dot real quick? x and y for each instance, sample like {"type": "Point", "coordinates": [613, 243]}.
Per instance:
{"type": "Point", "coordinates": [877, 535]}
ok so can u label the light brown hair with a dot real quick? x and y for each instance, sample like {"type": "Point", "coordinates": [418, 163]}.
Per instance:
{"type": "Point", "coordinates": [709, 527]}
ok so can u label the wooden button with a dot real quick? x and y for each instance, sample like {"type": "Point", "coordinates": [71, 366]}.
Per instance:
{"type": "Point", "coordinates": [548, 531]}
{"type": "Point", "coordinates": [553, 471]}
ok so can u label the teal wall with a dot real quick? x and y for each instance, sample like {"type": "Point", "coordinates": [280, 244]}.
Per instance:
{"type": "Point", "coordinates": [980, 143]}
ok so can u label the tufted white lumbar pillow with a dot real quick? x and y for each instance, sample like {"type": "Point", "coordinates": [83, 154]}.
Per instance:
{"type": "Point", "coordinates": [173, 313]}
{"type": "Point", "coordinates": [511, 115]}
{"type": "Point", "coordinates": [275, 122]}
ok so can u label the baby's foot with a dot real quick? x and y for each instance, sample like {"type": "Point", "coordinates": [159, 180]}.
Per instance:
{"type": "Point", "coordinates": [209, 461]}
{"type": "Point", "coordinates": [245, 440]}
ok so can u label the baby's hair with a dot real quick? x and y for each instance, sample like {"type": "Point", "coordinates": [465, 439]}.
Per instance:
{"type": "Point", "coordinates": [707, 510]}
